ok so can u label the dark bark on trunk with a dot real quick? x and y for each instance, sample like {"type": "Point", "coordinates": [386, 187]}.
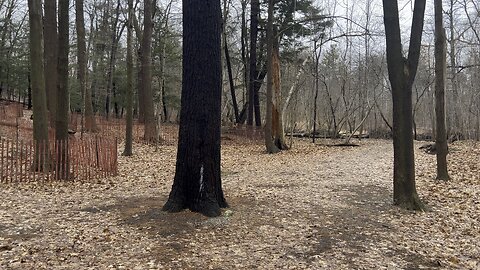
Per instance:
{"type": "Point", "coordinates": [440, 70]}
{"type": "Point", "coordinates": [230, 80]}
{"type": "Point", "coordinates": [197, 184]}
{"type": "Point", "coordinates": [51, 57]}
{"type": "Point", "coordinates": [254, 15]}
{"type": "Point", "coordinates": [256, 102]}
{"type": "Point", "coordinates": [116, 107]}
{"type": "Point", "coordinates": [115, 38]}
{"type": "Point", "coordinates": [40, 114]}
{"type": "Point", "coordinates": [140, 90]}
{"type": "Point", "coordinates": [402, 73]}
{"type": "Point", "coordinates": [29, 94]}
{"type": "Point", "coordinates": [129, 118]}
{"type": "Point", "coordinates": [164, 102]}
{"type": "Point", "coordinates": [317, 86]}
{"type": "Point", "coordinates": [61, 123]}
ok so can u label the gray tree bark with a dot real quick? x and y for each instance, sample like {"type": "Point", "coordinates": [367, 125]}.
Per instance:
{"type": "Point", "coordinates": [151, 132]}
{"type": "Point", "coordinates": [40, 114]}
{"type": "Point", "coordinates": [440, 70]}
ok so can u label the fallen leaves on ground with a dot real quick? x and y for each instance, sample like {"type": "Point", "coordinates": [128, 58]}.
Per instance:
{"type": "Point", "coordinates": [312, 207]}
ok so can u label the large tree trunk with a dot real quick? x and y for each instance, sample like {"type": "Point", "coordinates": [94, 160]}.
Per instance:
{"type": "Point", "coordinates": [151, 132]}
{"type": "Point", "coordinates": [40, 114]}
{"type": "Point", "coordinates": [90, 124]}
{"type": "Point", "coordinates": [271, 83]}
{"type": "Point", "coordinates": [254, 14]}
{"type": "Point", "coordinates": [51, 58]}
{"type": "Point", "coordinates": [440, 70]}
{"type": "Point", "coordinates": [277, 116]}
{"type": "Point", "coordinates": [129, 117]}
{"type": "Point", "coordinates": [61, 126]}
{"type": "Point", "coordinates": [197, 184]}
{"type": "Point", "coordinates": [401, 73]}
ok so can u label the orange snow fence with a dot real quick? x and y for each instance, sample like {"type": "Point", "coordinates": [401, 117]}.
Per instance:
{"type": "Point", "coordinates": [72, 160]}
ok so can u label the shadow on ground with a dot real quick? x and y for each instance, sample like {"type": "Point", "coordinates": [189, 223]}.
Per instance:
{"type": "Point", "coordinates": [351, 230]}
{"type": "Point", "coordinates": [357, 228]}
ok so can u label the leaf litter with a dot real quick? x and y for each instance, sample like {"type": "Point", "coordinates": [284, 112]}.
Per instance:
{"type": "Point", "coordinates": [312, 207]}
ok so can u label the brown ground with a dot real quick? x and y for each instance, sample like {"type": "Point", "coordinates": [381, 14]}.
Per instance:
{"type": "Point", "coordinates": [313, 207]}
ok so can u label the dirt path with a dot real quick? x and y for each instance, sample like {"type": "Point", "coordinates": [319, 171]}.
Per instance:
{"type": "Point", "coordinates": [313, 207]}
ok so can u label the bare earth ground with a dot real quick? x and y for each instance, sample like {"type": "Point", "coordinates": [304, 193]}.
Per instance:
{"type": "Point", "coordinates": [313, 207]}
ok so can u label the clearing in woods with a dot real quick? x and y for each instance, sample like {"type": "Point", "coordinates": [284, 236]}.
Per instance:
{"type": "Point", "coordinates": [313, 207]}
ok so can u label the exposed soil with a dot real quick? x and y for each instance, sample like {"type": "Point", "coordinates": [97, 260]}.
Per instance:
{"type": "Point", "coordinates": [312, 207]}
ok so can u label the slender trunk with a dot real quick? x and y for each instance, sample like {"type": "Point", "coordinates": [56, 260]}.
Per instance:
{"type": "Point", "coordinates": [440, 70]}
{"type": "Point", "coordinates": [160, 105]}
{"type": "Point", "coordinates": [113, 53]}
{"type": "Point", "coordinates": [129, 118]}
{"type": "Point", "coordinates": [164, 102]}
{"type": "Point", "coordinates": [293, 87]}
{"type": "Point", "coordinates": [477, 127]}
{"type": "Point", "coordinates": [161, 100]}
{"type": "Point", "coordinates": [230, 79]}
{"type": "Point", "coordinates": [29, 94]}
{"type": "Point", "coordinates": [317, 86]}
{"type": "Point", "coordinates": [140, 89]}
{"type": "Point", "coordinates": [244, 51]}
{"type": "Point", "coordinates": [254, 17]}
{"type": "Point", "coordinates": [455, 127]}
{"type": "Point", "coordinates": [90, 124]}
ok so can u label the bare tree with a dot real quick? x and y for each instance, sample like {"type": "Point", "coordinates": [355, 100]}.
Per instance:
{"type": "Point", "coordinates": [146, 73]}
{"type": "Point", "coordinates": [129, 98]}
{"type": "Point", "coordinates": [90, 124]}
{"type": "Point", "coordinates": [272, 81]}
{"type": "Point", "coordinates": [402, 73]}
{"type": "Point", "coordinates": [51, 58]}
{"type": "Point", "coordinates": [197, 184]}
{"type": "Point", "coordinates": [40, 116]}
{"type": "Point", "coordinates": [254, 18]}
{"type": "Point", "coordinates": [61, 123]}
{"type": "Point", "coordinates": [440, 70]}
